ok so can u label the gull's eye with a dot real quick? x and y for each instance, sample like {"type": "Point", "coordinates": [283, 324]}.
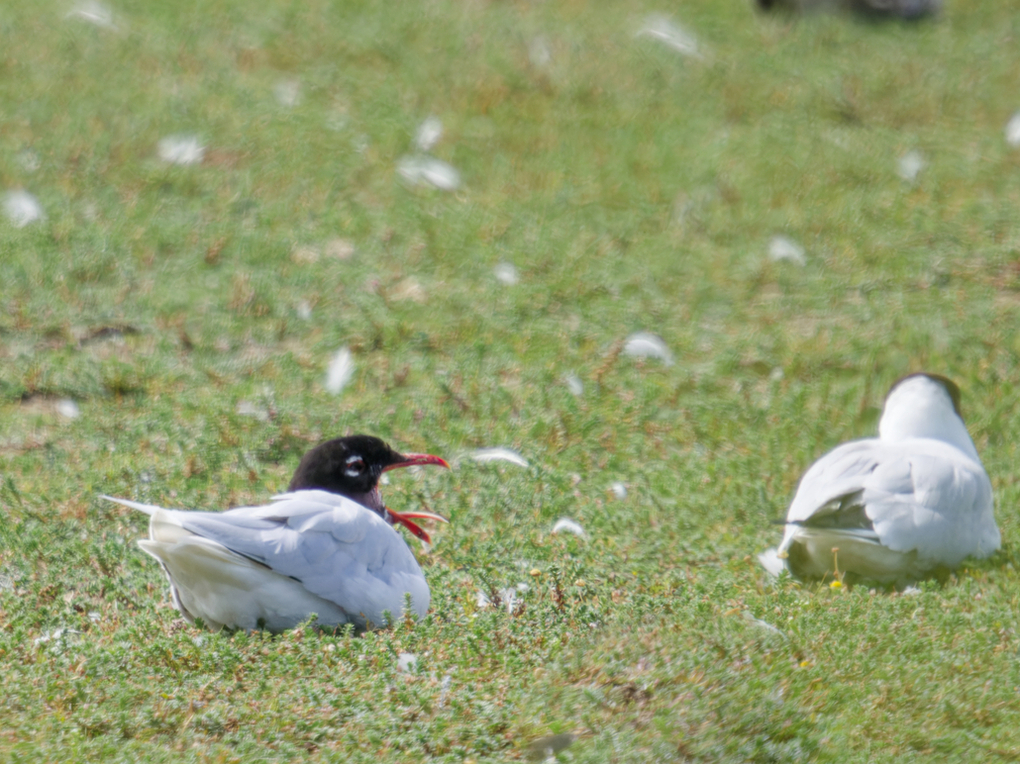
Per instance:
{"type": "Point", "coordinates": [354, 466]}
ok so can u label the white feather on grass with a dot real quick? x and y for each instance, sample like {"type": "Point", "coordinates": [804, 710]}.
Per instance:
{"type": "Point", "coordinates": [647, 345]}
{"type": "Point", "coordinates": [428, 171]}
{"type": "Point", "coordinates": [94, 13]}
{"type": "Point", "coordinates": [668, 32]}
{"type": "Point", "coordinates": [910, 165]}
{"type": "Point", "coordinates": [1013, 130]}
{"type": "Point", "coordinates": [340, 371]}
{"type": "Point", "coordinates": [68, 409]}
{"type": "Point", "coordinates": [566, 525]}
{"type": "Point", "coordinates": [21, 208]}
{"type": "Point", "coordinates": [181, 149]}
{"type": "Point", "coordinates": [506, 274]}
{"type": "Point", "coordinates": [486, 455]}
{"type": "Point", "coordinates": [429, 133]}
{"type": "Point", "coordinates": [287, 93]}
{"type": "Point", "coordinates": [782, 248]}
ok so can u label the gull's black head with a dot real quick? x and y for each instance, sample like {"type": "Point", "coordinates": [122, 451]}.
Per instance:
{"type": "Point", "coordinates": [352, 467]}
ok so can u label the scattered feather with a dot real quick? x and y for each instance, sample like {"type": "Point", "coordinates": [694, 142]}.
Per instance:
{"type": "Point", "coordinates": [181, 149]}
{"type": "Point", "coordinates": [68, 409]}
{"type": "Point", "coordinates": [287, 93]}
{"type": "Point", "coordinates": [910, 591]}
{"type": "Point", "coordinates": [764, 624]}
{"type": "Point", "coordinates": [482, 599]}
{"type": "Point", "coordinates": [428, 171]}
{"type": "Point", "coordinates": [1013, 130]}
{"type": "Point", "coordinates": [29, 160]}
{"type": "Point", "coordinates": [910, 165]}
{"type": "Point", "coordinates": [54, 635]}
{"type": "Point", "coordinates": [782, 248]}
{"type": "Point", "coordinates": [304, 310]}
{"type": "Point", "coordinates": [94, 13]}
{"type": "Point", "coordinates": [574, 384]}
{"type": "Point", "coordinates": [566, 525]}
{"type": "Point", "coordinates": [506, 274]}
{"type": "Point", "coordinates": [547, 747]}
{"type": "Point", "coordinates": [408, 289]}
{"type": "Point", "coordinates": [647, 345]}
{"type": "Point", "coordinates": [444, 689]}
{"type": "Point", "coordinates": [539, 53]}
{"type": "Point", "coordinates": [665, 30]}
{"type": "Point", "coordinates": [304, 255]}
{"type": "Point", "coordinates": [771, 561]}
{"type": "Point", "coordinates": [619, 490]}
{"type": "Point", "coordinates": [341, 369]}
{"type": "Point", "coordinates": [429, 133]}
{"type": "Point", "coordinates": [485, 455]}
{"type": "Point", "coordinates": [22, 208]}
{"type": "Point", "coordinates": [247, 408]}
{"type": "Point", "coordinates": [407, 662]}
{"type": "Point", "coordinates": [340, 249]}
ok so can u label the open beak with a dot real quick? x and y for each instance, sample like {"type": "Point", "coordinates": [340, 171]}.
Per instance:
{"type": "Point", "coordinates": [404, 518]}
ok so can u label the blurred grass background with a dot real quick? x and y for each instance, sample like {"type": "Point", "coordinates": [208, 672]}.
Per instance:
{"type": "Point", "coordinates": [190, 313]}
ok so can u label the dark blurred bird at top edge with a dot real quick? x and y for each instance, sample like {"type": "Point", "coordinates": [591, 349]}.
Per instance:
{"type": "Point", "coordinates": [875, 9]}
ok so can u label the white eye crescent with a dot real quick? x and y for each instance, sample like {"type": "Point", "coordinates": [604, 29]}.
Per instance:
{"type": "Point", "coordinates": [355, 466]}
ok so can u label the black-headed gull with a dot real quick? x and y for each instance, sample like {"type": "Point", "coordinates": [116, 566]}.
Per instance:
{"type": "Point", "coordinates": [896, 507]}
{"type": "Point", "coordinates": [326, 547]}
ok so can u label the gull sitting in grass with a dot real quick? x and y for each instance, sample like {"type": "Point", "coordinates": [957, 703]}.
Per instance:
{"type": "Point", "coordinates": [897, 507]}
{"type": "Point", "coordinates": [326, 547]}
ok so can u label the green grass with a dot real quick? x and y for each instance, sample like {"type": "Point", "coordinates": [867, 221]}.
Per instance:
{"type": "Point", "coordinates": [633, 189]}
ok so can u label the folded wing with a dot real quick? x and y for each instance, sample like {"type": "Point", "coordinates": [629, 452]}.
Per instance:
{"type": "Point", "coordinates": [924, 502]}
{"type": "Point", "coordinates": [303, 546]}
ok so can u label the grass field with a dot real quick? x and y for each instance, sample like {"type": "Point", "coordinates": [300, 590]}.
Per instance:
{"type": "Point", "coordinates": [190, 312]}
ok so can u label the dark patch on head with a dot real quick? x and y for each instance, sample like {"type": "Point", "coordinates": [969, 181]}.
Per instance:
{"type": "Point", "coordinates": [330, 466]}
{"type": "Point", "coordinates": [949, 385]}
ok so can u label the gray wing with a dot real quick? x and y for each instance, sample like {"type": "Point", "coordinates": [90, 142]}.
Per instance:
{"type": "Point", "coordinates": [336, 548]}
{"type": "Point", "coordinates": [917, 494]}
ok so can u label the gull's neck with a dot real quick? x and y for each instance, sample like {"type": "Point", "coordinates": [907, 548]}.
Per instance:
{"type": "Point", "coordinates": [921, 408]}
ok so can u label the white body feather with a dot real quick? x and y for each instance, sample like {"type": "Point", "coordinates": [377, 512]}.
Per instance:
{"type": "Point", "coordinates": [919, 492]}
{"type": "Point", "coordinates": [273, 566]}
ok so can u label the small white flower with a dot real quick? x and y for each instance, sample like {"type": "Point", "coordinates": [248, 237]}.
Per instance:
{"type": "Point", "coordinates": [619, 490]}
{"type": "Point", "coordinates": [340, 371]}
{"type": "Point", "coordinates": [181, 149]}
{"type": "Point", "coordinates": [782, 248]}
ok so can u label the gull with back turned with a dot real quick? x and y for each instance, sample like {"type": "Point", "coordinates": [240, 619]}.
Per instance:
{"type": "Point", "coordinates": [898, 507]}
